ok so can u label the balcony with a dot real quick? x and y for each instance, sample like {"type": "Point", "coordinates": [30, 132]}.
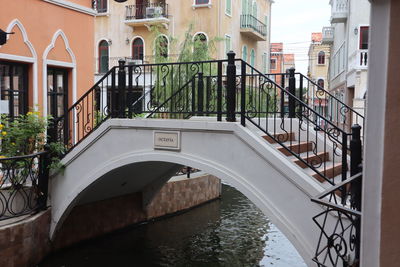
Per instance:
{"type": "Point", "coordinates": [147, 15]}
{"type": "Point", "coordinates": [340, 10]}
{"type": "Point", "coordinates": [253, 28]}
{"type": "Point", "coordinates": [327, 35]}
{"type": "Point", "coordinates": [358, 60]}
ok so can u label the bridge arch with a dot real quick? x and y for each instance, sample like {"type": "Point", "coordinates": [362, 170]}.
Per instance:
{"type": "Point", "coordinates": [284, 196]}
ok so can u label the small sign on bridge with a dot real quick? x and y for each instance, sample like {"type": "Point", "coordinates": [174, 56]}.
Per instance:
{"type": "Point", "coordinates": [167, 140]}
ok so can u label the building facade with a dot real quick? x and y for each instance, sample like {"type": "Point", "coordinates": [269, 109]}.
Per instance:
{"type": "Point", "coordinates": [126, 30]}
{"type": "Point", "coordinates": [280, 63]}
{"type": "Point", "coordinates": [318, 70]}
{"type": "Point", "coordinates": [348, 37]}
{"type": "Point", "coordinates": [43, 65]}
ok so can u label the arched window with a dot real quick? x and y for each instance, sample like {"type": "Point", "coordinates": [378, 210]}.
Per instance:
{"type": "Point", "coordinates": [321, 83]}
{"type": "Point", "coordinates": [244, 53]}
{"type": "Point", "coordinates": [162, 46]}
{"type": "Point", "coordinates": [137, 49]}
{"type": "Point", "coordinates": [252, 57]}
{"type": "Point", "coordinates": [200, 45]}
{"type": "Point", "coordinates": [321, 58]}
{"type": "Point", "coordinates": [103, 56]}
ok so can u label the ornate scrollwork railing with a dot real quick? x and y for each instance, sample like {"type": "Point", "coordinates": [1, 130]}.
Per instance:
{"type": "Point", "coordinates": [23, 184]}
{"type": "Point", "coordinates": [339, 240]}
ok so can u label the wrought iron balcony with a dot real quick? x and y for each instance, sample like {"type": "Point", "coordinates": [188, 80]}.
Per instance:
{"type": "Point", "coordinates": [340, 10]}
{"type": "Point", "coordinates": [147, 14]}
{"type": "Point", "coordinates": [253, 28]}
{"type": "Point", "coordinates": [328, 35]}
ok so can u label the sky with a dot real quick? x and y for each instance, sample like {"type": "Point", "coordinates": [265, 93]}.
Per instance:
{"type": "Point", "coordinates": [293, 21]}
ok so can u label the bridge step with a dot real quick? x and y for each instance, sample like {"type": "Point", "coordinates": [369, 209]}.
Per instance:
{"type": "Point", "coordinates": [329, 171]}
{"type": "Point", "coordinates": [297, 148]}
{"type": "Point", "coordinates": [313, 159]}
{"type": "Point", "coordinates": [282, 137]}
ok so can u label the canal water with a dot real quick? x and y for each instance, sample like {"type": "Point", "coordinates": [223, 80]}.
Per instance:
{"type": "Point", "coordinates": [227, 232]}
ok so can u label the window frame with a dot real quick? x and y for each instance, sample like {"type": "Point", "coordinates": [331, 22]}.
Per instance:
{"type": "Point", "coordinates": [320, 60]}
{"type": "Point", "coordinates": [23, 106]}
{"type": "Point", "coordinates": [244, 49]}
{"type": "Point", "coordinates": [228, 37]}
{"type": "Point", "coordinates": [99, 48]}
{"type": "Point", "coordinates": [270, 63]}
{"type": "Point", "coordinates": [228, 12]}
{"type": "Point", "coordinates": [253, 57]}
{"type": "Point", "coordinates": [323, 83]}
{"type": "Point", "coordinates": [133, 50]}
{"type": "Point", "coordinates": [197, 5]}
{"type": "Point", "coordinates": [168, 44]}
{"type": "Point", "coordinates": [104, 9]}
{"type": "Point", "coordinates": [360, 36]}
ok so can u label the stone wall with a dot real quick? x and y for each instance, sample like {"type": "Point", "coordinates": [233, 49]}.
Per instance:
{"type": "Point", "coordinates": [27, 242]}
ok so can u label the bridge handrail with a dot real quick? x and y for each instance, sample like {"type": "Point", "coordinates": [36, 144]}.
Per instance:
{"type": "Point", "coordinates": [342, 202]}
{"type": "Point", "coordinates": [303, 113]}
{"type": "Point", "coordinates": [23, 184]}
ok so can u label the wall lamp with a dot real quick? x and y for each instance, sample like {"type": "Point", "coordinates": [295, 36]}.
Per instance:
{"type": "Point", "coordinates": [127, 40]}
{"type": "Point", "coordinates": [3, 36]}
{"type": "Point", "coordinates": [355, 30]}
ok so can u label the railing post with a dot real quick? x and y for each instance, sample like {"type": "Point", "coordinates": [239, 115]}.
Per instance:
{"type": "Point", "coordinates": [243, 94]}
{"type": "Point", "coordinates": [292, 91]}
{"type": "Point", "coordinates": [300, 109]}
{"type": "Point", "coordinates": [282, 96]}
{"type": "Point", "coordinates": [43, 179]}
{"type": "Point", "coordinates": [121, 89]}
{"type": "Point", "coordinates": [355, 164]}
{"type": "Point", "coordinates": [356, 186]}
{"type": "Point", "coordinates": [231, 88]}
{"type": "Point", "coordinates": [200, 95]}
{"type": "Point", "coordinates": [219, 92]}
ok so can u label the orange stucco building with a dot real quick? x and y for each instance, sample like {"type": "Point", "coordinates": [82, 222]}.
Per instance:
{"type": "Point", "coordinates": [48, 62]}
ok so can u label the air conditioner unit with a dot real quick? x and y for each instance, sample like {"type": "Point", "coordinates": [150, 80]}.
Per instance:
{"type": "Point", "coordinates": [158, 11]}
{"type": "Point", "coordinates": [150, 11]}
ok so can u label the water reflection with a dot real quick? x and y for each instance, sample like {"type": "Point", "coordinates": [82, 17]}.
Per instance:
{"type": "Point", "coordinates": [226, 232]}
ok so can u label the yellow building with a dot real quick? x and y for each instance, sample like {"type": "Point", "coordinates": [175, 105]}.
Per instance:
{"type": "Point", "coordinates": [124, 30]}
{"type": "Point", "coordinates": [318, 69]}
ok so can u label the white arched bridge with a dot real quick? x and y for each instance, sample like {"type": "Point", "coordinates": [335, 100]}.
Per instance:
{"type": "Point", "coordinates": [139, 124]}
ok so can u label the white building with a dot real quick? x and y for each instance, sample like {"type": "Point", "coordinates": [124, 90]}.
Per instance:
{"type": "Point", "coordinates": [348, 36]}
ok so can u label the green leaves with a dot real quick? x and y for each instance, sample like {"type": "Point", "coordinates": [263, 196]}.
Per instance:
{"type": "Point", "coordinates": [26, 134]}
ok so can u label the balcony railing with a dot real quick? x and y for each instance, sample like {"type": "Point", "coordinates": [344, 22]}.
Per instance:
{"type": "Point", "coordinates": [146, 11]}
{"type": "Point", "coordinates": [339, 11]}
{"type": "Point", "coordinates": [250, 22]}
{"type": "Point", "coordinates": [358, 60]}
{"type": "Point", "coordinates": [327, 35]}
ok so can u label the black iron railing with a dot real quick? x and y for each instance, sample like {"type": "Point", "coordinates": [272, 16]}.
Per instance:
{"type": "Point", "coordinates": [215, 88]}
{"type": "Point", "coordinates": [23, 184]}
{"type": "Point", "coordinates": [249, 21]}
{"type": "Point", "coordinates": [340, 222]}
{"type": "Point", "coordinates": [128, 91]}
{"type": "Point", "coordinates": [325, 103]}
{"type": "Point", "coordinates": [146, 11]}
